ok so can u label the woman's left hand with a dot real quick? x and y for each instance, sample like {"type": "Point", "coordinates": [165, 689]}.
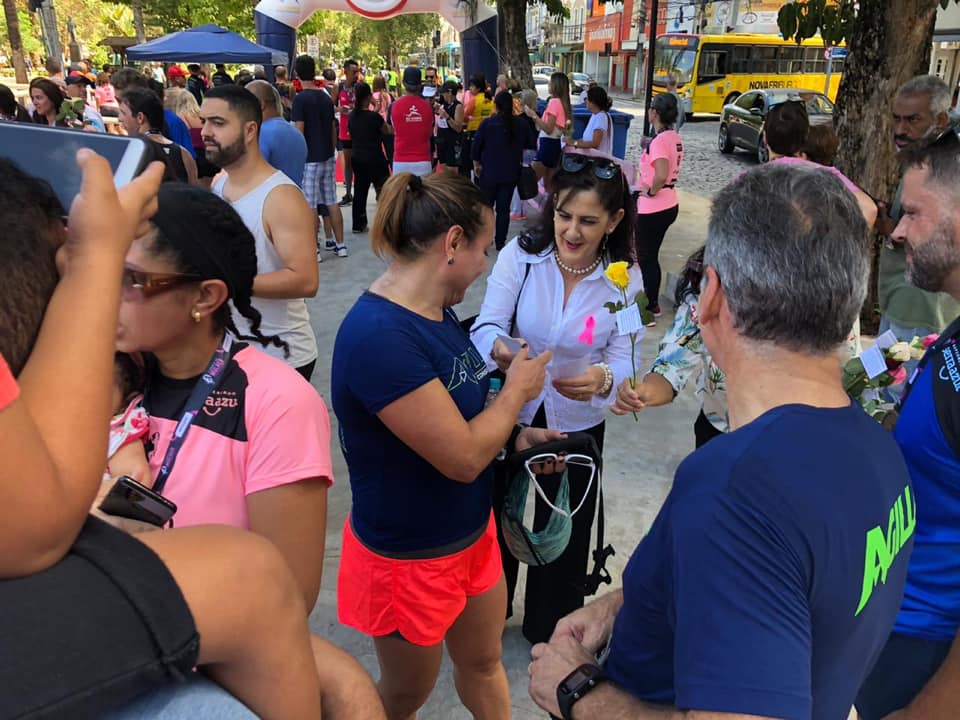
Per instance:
{"type": "Point", "coordinates": [582, 387]}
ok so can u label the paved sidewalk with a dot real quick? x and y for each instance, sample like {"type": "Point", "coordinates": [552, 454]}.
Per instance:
{"type": "Point", "coordinates": [640, 457]}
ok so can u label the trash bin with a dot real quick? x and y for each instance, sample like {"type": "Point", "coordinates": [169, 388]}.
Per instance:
{"type": "Point", "coordinates": [581, 116]}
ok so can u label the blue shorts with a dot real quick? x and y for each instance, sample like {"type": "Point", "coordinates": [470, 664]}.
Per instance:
{"type": "Point", "coordinates": [548, 152]}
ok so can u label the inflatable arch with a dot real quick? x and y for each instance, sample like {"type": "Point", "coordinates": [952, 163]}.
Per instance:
{"type": "Point", "coordinates": [277, 22]}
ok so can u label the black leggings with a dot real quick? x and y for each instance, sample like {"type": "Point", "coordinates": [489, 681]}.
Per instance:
{"type": "Point", "coordinates": [651, 229]}
{"type": "Point", "coordinates": [557, 589]}
{"type": "Point", "coordinates": [364, 175]}
{"type": "Point", "coordinates": [307, 370]}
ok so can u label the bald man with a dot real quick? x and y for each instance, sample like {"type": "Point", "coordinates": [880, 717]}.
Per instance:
{"type": "Point", "coordinates": [281, 144]}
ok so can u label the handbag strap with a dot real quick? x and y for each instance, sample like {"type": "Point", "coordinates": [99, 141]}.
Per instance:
{"type": "Point", "coordinates": [516, 305]}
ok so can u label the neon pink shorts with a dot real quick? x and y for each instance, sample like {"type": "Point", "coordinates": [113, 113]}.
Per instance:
{"type": "Point", "coordinates": [420, 599]}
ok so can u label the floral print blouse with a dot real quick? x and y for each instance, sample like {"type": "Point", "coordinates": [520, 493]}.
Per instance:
{"type": "Point", "coordinates": [682, 354]}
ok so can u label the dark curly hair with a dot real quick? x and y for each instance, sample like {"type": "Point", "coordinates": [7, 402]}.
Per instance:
{"type": "Point", "coordinates": [33, 229]}
{"type": "Point", "coordinates": [201, 234]}
{"type": "Point", "coordinates": [614, 194]}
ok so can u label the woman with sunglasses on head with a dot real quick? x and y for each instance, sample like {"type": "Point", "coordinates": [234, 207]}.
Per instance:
{"type": "Point", "coordinates": [419, 563]}
{"type": "Point", "coordinates": [548, 289]}
{"type": "Point", "coordinates": [497, 155]}
{"type": "Point", "coordinates": [657, 205]}
{"type": "Point", "coordinates": [257, 454]}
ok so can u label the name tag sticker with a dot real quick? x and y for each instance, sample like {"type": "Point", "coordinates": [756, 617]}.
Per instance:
{"type": "Point", "coordinates": [628, 320]}
{"type": "Point", "coordinates": [887, 340]}
{"type": "Point", "coordinates": [873, 361]}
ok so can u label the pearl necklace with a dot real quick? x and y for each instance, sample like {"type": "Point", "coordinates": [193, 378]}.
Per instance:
{"type": "Point", "coordinates": [576, 271]}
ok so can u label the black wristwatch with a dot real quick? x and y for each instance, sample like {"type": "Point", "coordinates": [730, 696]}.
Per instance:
{"type": "Point", "coordinates": [577, 684]}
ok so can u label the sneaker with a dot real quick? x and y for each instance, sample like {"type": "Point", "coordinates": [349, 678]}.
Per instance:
{"type": "Point", "coordinates": [360, 230]}
{"type": "Point", "coordinates": [652, 323]}
{"type": "Point", "coordinates": [330, 244]}
{"type": "Point", "coordinates": [347, 199]}
{"type": "Point", "coordinates": [655, 309]}
{"type": "Point", "coordinates": [319, 255]}
{"type": "Point", "coordinates": [341, 251]}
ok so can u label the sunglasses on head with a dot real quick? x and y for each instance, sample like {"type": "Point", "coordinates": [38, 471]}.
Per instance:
{"type": "Point", "coordinates": [602, 168]}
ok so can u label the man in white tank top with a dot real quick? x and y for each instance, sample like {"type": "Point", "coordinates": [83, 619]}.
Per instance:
{"type": "Point", "coordinates": [275, 211]}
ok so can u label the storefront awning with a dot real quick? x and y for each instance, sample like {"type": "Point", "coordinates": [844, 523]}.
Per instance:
{"type": "Point", "coordinates": [560, 50]}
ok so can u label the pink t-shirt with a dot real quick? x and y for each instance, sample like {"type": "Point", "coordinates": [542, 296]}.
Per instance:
{"type": "Point", "coordinates": [9, 390]}
{"type": "Point", "coordinates": [106, 95]}
{"type": "Point", "coordinates": [263, 427]}
{"type": "Point", "coordinates": [666, 145]}
{"type": "Point", "coordinates": [847, 182]}
{"type": "Point", "coordinates": [555, 108]}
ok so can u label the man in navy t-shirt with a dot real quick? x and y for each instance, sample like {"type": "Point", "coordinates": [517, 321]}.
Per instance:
{"type": "Point", "coordinates": [770, 579]}
{"type": "Point", "coordinates": [919, 669]}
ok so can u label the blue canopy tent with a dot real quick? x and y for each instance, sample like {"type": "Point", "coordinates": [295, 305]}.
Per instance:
{"type": "Point", "coordinates": [206, 44]}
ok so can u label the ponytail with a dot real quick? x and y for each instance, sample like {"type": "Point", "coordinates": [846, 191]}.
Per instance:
{"type": "Point", "coordinates": [413, 211]}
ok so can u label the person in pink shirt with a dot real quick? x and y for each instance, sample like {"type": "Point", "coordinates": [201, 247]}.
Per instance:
{"type": "Point", "coordinates": [657, 204]}
{"type": "Point", "coordinates": [106, 96]}
{"type": "Point", "coordinates": [552, 127]}
{"type": "Point", "coordinates": [256, 454]}
{"type": "Point", "coordinates": [786, 130]}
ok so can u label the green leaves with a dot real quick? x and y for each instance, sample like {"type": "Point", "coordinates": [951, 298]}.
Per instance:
{"type": "Point", "coordinates": [613, 307]}
{"type": "Point", "coordinates": [803, 19]}
{"type": "Point", "coordinates": [641, 301]}
{"type": "Point", "coordinates": [787, 21]}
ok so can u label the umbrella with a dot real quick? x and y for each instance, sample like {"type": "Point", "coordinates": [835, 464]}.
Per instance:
{"type": "Point", "coordinates": [207, 44]}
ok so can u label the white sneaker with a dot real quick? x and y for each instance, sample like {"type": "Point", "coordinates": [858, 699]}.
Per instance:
{"type": "Point", "coordinates": [319, 255]}
{"type": "Point", "coordinates": [341, 251]}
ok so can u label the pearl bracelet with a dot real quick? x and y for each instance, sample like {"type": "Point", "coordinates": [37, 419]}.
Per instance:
{"type": "Point", "coordinates": [607, 379]}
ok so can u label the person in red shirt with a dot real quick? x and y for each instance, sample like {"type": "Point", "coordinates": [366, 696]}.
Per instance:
{"type": "Point", "coordinates": [412, 120]}
{"type": "Point", "coordinates": [346, 96]}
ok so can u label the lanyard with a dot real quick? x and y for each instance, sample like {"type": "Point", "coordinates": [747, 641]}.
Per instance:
{"type": "Point", "coordinates": [949, 337]}
{"type": "Point", "coordinates": [208, 382]}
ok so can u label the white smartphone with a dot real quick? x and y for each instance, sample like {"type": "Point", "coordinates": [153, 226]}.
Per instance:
{"type": "Point", "coordinates": [50, 154]}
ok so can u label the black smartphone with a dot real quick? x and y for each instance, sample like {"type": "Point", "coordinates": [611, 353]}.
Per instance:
{"type": "Point", "coordinates": [50, 153]}
{"type": "Point", "coordinates": [129, 499]}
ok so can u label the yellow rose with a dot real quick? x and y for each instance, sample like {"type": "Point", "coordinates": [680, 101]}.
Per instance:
{"type": "Point", "coordinates": [618, 275]}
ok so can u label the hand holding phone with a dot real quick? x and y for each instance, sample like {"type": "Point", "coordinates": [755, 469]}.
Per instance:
{"type": "Point", "coordinates": [129, 499]}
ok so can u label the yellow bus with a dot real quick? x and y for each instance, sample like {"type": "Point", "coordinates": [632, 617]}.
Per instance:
{"type": "Point", "coordinates": [713, 70]}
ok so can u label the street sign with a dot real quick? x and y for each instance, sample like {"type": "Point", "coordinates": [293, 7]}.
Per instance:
{"type": "Point", "coordinates": [837, 53]}
{"type": "Point", "coordinates": [313, 45]}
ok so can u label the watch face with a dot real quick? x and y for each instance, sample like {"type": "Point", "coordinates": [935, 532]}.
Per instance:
{"type": "Point", "coordinates": [575, 681]}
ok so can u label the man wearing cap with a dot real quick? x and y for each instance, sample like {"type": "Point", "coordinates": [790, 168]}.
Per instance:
{"type": "Point", "coordinates": [412, 120]}
{"type": "Point", "coordinates": [77, 84]}
{"type": "Point", "coordinates": [176, 76]}
{"type": "Point", "coordinates": [195, 83]}
{"type": "Point", "coordinates": [770, 579]}
{"type": "Point", "coordinates": [344, 100]}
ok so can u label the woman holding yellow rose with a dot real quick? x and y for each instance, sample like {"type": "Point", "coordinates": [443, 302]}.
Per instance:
{"type": "Point", "coordinates": [548, 289]}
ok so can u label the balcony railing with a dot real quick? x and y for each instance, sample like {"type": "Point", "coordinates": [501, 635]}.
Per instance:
{"type": "Point", "coordinates": [572, 33]}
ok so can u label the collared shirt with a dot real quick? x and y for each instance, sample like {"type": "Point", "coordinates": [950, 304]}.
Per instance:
{"type": "Point", "coordinates": [544, 322]}
{"type": "Point", "coordinates": [683, 354]}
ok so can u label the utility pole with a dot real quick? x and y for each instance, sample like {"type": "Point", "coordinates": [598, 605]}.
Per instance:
{"type": "Point", "coordinates": [653, 15]}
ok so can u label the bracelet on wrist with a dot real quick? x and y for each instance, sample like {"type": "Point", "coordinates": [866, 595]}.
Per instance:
{"type": "Point", "coordinates": [607, 379]}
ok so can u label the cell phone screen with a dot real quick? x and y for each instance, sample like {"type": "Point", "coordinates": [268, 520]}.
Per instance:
{"type": "Point", "coordinates": [50, 154]}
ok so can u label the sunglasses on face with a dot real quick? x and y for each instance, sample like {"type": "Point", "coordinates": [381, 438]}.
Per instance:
{"type": "Point", "coordinates": [147, 284]}
{"type": "Point", "coordinates": [603, 169]}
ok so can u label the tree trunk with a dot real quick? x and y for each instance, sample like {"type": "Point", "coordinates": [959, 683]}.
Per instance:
{"type": "Point", "coordinates": [889, 45]}
{"type": "Point", "coordinates": [513, 41]}
{"type": "Point", "coordinates": [138, 26]}
{"type": "Point", "coordinates": [16, 42]}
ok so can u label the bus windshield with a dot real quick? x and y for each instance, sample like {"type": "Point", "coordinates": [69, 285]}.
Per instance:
{"type": "Point", "coordinates": [675, 55]}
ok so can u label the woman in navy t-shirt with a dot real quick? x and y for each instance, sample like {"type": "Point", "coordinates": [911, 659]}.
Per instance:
{"type": "Point", "coordinates": [420, 562]}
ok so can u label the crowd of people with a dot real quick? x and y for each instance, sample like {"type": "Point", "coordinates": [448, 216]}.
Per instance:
{"type": "Point", "coordinates": [188, 372]}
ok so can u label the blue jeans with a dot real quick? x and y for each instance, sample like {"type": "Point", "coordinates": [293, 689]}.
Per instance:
{"type": "Point", "coordinates": [904, 334]}
{"type": "Point", "coordinates": [196, 699]}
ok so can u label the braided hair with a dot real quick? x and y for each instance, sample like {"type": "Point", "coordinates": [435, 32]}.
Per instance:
{"type": "Point", "coordinates": [201, 234]}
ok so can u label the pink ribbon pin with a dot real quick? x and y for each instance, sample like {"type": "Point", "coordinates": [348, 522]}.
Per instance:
{"type": "Point", "coordinates": [586, 337]}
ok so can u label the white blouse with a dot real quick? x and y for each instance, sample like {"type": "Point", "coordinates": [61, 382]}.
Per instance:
{"type": "Point", "coordinates": [546, 324]}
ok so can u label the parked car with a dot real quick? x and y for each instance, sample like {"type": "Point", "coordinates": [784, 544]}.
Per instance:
{"type": "Point", "coordinates": [541, 69]}
{"type": "Point", "coordinates": [542, 84]}
{"type": "Point", "coordinates": [741, 122]}
{"type": "Point", "coordinates": [579, 82]}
